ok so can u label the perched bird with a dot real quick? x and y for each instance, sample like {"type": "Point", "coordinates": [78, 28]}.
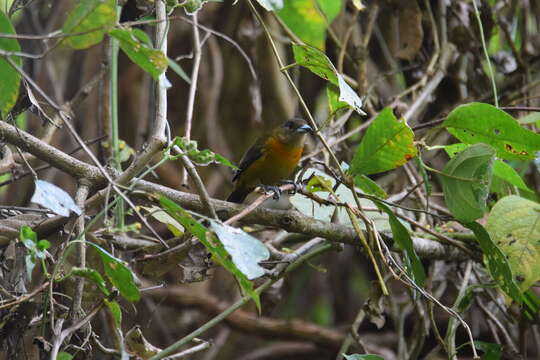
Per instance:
{"type": "Point", "coordinates": [271, 159]}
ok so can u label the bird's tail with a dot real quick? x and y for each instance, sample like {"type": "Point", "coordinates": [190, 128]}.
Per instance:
{"type": "Point", "coordinates": [238, 195]}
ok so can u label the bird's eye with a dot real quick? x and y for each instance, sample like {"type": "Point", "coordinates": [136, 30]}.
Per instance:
{"type": "Point", "coordinates": [289, 125]}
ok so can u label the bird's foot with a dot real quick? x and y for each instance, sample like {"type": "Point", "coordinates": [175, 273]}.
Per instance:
{"type": "Point", "coordinates": [272, 188]}
{"type": "Point", "coordinates": [297, 186]}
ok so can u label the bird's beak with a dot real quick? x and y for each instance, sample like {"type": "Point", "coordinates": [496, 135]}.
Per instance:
{"type": "Point", "coordinates": [304, 129]}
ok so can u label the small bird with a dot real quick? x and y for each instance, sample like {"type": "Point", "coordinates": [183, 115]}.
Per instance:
{"type": "Point", "coordinates": [271, 159]}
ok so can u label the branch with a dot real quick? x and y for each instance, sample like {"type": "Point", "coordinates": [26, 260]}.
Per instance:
{"type": "Point", "coordinates": [49, 154]}
{"type": "Point", "coordinates": [292, 221]}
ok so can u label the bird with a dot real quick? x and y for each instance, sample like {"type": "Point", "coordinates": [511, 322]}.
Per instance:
{"type": "Point", "coordinates": [271, 159]}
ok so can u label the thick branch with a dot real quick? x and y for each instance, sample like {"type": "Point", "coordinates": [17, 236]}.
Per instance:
{"type": "Point", "coordinates": [49, 154]}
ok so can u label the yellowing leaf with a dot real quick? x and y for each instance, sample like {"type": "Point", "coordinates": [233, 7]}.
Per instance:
{"type": "Point", "coordinates": [91, 17]}
{"type": "Point", "coordinates": [514, 225]}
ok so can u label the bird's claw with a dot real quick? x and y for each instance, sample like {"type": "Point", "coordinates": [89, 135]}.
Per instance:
{"type": "Point", "coordinates": [271, 188]}
{"type": "Point", "coordinates": [297, 187]}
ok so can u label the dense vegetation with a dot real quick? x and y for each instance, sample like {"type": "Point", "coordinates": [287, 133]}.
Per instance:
{"type": "Point", "coordinates": [414, 231]}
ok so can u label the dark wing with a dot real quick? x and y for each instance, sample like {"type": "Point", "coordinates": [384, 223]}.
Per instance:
{"type": "Point", "coordinates": [255, 152]}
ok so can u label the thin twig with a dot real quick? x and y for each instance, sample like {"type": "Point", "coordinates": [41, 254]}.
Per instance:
{"type": "Point", "coordinates": [80, 198]}
{"type": "Point", "coordinates": [486, 54]}
{"type": "Point", "coordinates": [197, 55]}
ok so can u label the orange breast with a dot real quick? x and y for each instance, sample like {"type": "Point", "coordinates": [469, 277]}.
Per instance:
{"type": "Point", "coordinates": [277, 163]}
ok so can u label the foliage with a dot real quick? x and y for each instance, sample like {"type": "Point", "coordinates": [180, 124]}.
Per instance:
{"type": "Point", "coordinates": [375, 79]}
{"type": "Point", "coordinates": [9, 86]}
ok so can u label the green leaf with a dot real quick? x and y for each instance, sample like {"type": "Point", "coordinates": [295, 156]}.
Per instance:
{"type": "Point", "coordinates": [150, 60]}
{"type": "Point", "coordinates": [178, 70]}
{"type": "Point", "coordinates": [192, 6]}
{"type": "Point", "coordinates": [157, 213]}
{"type": "Point", "coordinates": [119, 274]}
{"type": "Point", "coordinates": [319, 183]}
{"type": "Point", "coordinates": [316, 61]}
{"type": "Point", "coordinates": [509, 174]}
{"type": "Point", "coordinates": [94, 276]}
{"type": "Point", "coordinates": [401, 236]}
{"type": "Point", "coordinates": [116, 312]}
{"type": "Point", "coordinates": [362, 357]}
{"type": "Point", "coordinates": [94, 17]}
{"type": "Point", "coordinates": [212, 244]}
{"type": "Point", "coordinates": [491, 351]}
{"type": "Point", "coordinates": [245, 250]}
{"type": "Point", "coordinates": [500, 169]}
{"type": "Point", "coordinates": [10, 78]}
{"type": "Point", "coordinates": [332, 93]}
{"type": "Point", "coordinates": [387, 144]}
{"type": "Point", "coordinates": [466, 181]}
{"type": "Point", "coordinates": [200, 157]}
{"type": "Point", "coordinates": [309, 19]}
{"type": "Point", "coordinates": [514, 225]}
{"type": "Point", "coordinates": [319, 64]}
{"type": "Point", "coordinates": [483, 123]}
{"type": "Point", "coordinates": [28, 237]}
{"type": "Point", "coordinates": [43, 245]}
{"type": "Point", "coordinates": [497, 264]}
{"type": "Point", "coordinates": [369, 186]}
{"type": "Point", "coordinates": [62, 355]}
{"type": "Point", "coordinates": [465, 301]}
{"type": "Point", "coordinates": [531, 118]}
{"type": "Point", "coordinates": [423, 171]}
{"type": "Point", "coordinates": [142, 36]}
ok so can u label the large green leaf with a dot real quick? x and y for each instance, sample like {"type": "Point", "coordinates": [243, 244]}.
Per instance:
{"type": "Point", "coordinates": [498, 266]}
{"type": "Point", "coordinates": [94, 17]}
{"type": "Point", "coordinates": [150, 60]}
{"type": "Point", "coordinates": [514, 225]}
{"type": "Point", "coordinates": [387, 144]}
{"type": "Point", "coordinates": [483, 123]}
{"type": "Point", "coordinates": [119, 274]}
{"type": "Point", "coordinates": [500, 169]}
{"type": "Point", "coordinates": [466, 181]}
{"type": "Point", "coordinates": [10, 78]}
{"type": "Point", "coordinates": [308, 19]}
{"type": "Point", "coordinates": [212, 244]}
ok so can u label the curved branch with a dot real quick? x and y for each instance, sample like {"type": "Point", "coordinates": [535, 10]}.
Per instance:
{"type": "Point", "coordinates": [50, 154]}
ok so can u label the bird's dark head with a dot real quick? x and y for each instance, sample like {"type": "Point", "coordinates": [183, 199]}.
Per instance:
{"type": "Point", "coordinates": [293, 132]}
